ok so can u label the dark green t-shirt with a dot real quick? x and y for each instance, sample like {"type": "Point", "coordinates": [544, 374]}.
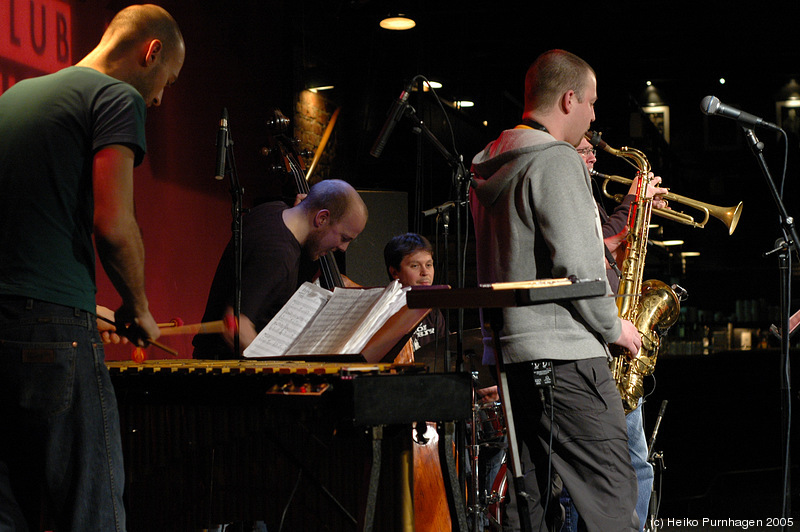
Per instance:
{"type": "Point", "coordinates": [50, 129]}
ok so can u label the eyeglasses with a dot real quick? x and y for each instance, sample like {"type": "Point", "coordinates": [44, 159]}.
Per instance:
{"type": "Point", "coordinates": [583, 152]}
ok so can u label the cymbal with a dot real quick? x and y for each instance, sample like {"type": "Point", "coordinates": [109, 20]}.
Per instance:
{"type": "Point", "coordinates": [471, 340]}
{"type": "Point", "coordinates": [472, 347]}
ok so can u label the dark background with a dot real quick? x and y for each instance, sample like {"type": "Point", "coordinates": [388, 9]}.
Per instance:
{"type": "Point", "coordinates": [252, 56]}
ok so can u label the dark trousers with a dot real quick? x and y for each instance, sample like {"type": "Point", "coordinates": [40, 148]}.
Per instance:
{"type": "Point", "coordinates": [589, 450]}
{"type": "Point", "coordinates": [60, 454]}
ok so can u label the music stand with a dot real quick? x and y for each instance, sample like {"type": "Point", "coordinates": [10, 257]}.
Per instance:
{"type": "Point", "coordinates": [492, 299]}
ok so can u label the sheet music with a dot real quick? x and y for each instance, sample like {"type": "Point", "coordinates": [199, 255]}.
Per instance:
{"type": "Point", "coordinates": [336, 323]}
{"type": "Point", "coordinates": [289, 322]}
{"type": "Point", "coordinates": [391, 301]}
{"type": "Point", "coordinates": [317, 322]}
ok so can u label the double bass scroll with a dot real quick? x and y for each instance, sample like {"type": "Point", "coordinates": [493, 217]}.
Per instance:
{"type": "Point", "coordinates": [282, 144]}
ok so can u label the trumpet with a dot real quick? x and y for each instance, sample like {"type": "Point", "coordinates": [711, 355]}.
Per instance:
{"type": "Point", "coordinates": [728, 215]}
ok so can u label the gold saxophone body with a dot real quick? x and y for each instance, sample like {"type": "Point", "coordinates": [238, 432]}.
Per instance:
{"type": "Point", "coordinates": [652, 306]}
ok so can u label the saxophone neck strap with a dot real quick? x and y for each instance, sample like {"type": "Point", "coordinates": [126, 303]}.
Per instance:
{"type": "Point", "coordinates": [533, 124]}
{"type": "Point", "coordinates": [611, 261]}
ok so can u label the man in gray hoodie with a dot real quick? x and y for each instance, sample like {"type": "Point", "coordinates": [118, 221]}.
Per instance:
{"type": "Point", "coordinates": [535, 218]}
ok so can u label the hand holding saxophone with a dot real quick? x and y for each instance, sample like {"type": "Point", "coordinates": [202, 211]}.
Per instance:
{"type": "Point", "coordinates": [629, 338]}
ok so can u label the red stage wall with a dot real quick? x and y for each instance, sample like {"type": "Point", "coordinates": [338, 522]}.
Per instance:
{"type": "Point", "coordinates": [237, 57]}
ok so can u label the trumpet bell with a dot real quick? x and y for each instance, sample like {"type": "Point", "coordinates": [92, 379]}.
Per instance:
{"type": "Point", "coordinates": [730, 217]}
{"type": "Point", "coordinates": [727, 215]}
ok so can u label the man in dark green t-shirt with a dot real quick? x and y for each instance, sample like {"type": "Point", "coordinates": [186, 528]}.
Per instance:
{"type": "Point", "coordinates": [68, 144]}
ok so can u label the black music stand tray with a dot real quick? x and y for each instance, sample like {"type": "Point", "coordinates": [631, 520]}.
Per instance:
{"type": "Point", "coordinates": [492, 299]}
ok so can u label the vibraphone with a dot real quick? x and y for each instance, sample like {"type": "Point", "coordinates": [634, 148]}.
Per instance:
{"type": "Point", "coordinates": [209, 442]}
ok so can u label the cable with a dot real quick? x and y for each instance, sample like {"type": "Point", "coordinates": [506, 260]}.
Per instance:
{"type": "Point", "coordinates": [289, 502]}
{"type": "Point", "coordinates": [786, 372]}
{"type": "Point", "coordinates": [549, 491]}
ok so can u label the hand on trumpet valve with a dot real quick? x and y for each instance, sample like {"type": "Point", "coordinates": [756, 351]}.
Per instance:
{"type": "Point", "coordinates": [653, 191]}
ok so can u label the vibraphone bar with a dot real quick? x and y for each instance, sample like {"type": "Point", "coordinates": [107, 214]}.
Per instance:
{"type": "Point", "coordinates": [210, 441]}
{"type": "Point", "coordinates": [266, 367]}
{"type": "Point", "coordinates": [306, 378]}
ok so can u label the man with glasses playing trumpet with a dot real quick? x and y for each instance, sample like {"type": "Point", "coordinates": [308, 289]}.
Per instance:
{"type": "Point", "coordinates": [614, 228]}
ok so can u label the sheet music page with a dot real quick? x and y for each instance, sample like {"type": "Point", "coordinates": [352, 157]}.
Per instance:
{"type": "Point", "coordinates": [282, 331]}
{"type": "Point", "coordinates": [392, 300]}
{"type": "Point", "coordinates": [338, 321]}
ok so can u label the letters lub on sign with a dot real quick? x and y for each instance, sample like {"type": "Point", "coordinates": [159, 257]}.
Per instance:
{"type": "Point", "coordinates": [37, 34]}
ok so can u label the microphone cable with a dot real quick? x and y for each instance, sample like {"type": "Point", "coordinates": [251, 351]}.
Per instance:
{"type": "Point", "coordinates": [291, 497]}
{"type": "Point", "coordinates": [549, 490]}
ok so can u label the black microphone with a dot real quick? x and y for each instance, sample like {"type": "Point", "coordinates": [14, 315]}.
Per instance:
{"type": "Point", "coordinates": [439, 209]}
{"type": "Point", "coordinates": [222, 145]}
{"type": "Point", "coordinates": [712, 106]}
{"type": "Point", "coordinates": [395, 114]}
{"type": "Point", "coordinates": [655, 429]}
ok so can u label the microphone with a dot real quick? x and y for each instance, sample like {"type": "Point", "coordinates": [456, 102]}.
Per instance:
{"type": "Point", "coordinates": [395, 114]}
{"type": "Point", "coordinates": [712, 106]}
{"type": "Point", "coordinates": [439, 209]}
{"type": "Point", "coordinates": [222, 145]}
{"type": "Point", "coordinates": [655, 429]}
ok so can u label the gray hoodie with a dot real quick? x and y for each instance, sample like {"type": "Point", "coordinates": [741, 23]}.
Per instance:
{"type": "Point", "coordinates": [535, 218]}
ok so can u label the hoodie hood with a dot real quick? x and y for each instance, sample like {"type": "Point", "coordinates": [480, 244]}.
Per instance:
{"type": "Point", "coordinates": [507, 157]}
{"type": "Point", "coordinates": [535, 218]}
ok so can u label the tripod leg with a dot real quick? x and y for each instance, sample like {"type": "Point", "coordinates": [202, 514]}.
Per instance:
{"type": "Point", "coordinates": [374, 477]}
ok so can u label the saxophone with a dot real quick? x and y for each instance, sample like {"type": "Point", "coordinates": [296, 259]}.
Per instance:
{"type": "Point", "coordinates": [651, 305]}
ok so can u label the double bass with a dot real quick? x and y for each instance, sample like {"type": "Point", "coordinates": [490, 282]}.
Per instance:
{"type": "Point", "coordinates": [284, 148]}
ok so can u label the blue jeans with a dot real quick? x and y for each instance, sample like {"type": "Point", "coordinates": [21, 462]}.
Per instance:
{"type": "Point", "coordinates": [637, 447]}
{"type": "Point", "coordinates": [61, 455]}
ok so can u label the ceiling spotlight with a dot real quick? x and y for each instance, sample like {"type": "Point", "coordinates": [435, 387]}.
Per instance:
{"type": "Point", "coordinates": [666, 243]}
{"type": "Point", "coordinates": [320, 88]}
{"type": "Point", "coordinates": [318, 79]}
{"type": "Point", "coordinates": [397, 22]}
{"type": "Point", "coordinates": [462, 104]}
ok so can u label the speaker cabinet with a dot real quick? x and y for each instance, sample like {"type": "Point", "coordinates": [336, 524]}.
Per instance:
{"type": "Point", "coordinates": [388, 217]}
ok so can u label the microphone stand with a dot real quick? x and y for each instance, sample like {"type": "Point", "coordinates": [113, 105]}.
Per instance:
{"type": "Point", "coordinates": [459, 179]}
{"type": "Point", "coordinates": [236, 192]}
{"type": "Point", "coordinates": [457, 165]}
{"type": "Point", "coordinates": [784, 248]}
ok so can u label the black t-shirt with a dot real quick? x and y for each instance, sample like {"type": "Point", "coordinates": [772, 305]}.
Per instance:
{"type": "Point", "coordinates": [52, 126]}
{"type": "Point", "coordinates": [428, 329]}
{"type": "Point", "coordinates": [271, 257]}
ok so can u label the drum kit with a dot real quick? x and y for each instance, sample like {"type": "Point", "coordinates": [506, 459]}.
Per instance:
{"type": "Point", "coordinates": [486, 434]}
